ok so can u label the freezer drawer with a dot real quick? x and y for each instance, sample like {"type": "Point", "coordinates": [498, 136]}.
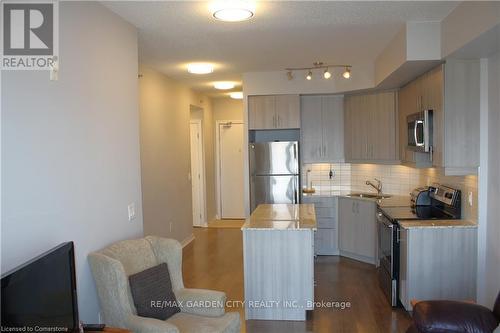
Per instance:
{"type": "Point", "coordinates": [274, 158]}
{"type": "Point", "coordinates": [274, 189]}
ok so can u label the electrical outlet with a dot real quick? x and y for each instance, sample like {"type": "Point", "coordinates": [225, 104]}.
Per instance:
{"type": "Point", "coordinates": [470, 199]}
{"type": "Point", "coordinates": [131, 211]}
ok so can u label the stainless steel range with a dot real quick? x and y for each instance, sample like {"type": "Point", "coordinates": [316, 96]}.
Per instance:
{"type": "Point", "coordinates": [436, 202]}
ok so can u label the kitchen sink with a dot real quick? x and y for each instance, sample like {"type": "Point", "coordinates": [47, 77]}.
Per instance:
{"type": "Point", "coordinates": [369, 195]}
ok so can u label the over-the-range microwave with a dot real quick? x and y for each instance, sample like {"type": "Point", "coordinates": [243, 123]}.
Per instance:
{"type": "Point", "coordinates": [420, 131]}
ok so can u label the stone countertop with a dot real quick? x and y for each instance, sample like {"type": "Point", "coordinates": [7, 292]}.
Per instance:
{"type": "Point", "coordinates": [282, 217]}
{"type": "Point", "coordinates": [394, 201]}
{"type": "Point", "coordinates": [416, 224]}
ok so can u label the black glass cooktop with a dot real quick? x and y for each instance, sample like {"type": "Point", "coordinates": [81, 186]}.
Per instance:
{"type": "Point", "coordinates": [416, 213]}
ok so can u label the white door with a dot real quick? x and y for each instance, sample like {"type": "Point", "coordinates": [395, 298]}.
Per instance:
{"type": "Point", "coordinates": [231, 180]}
{"type": "Point", "coordinates": [197, 176]}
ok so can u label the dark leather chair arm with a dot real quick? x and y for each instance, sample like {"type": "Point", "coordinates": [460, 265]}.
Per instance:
{"type": "Point", "coordinates": [453, 316]}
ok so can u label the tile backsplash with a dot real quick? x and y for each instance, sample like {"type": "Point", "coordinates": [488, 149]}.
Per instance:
{"type": "Point", "coordinates": [396, 180]}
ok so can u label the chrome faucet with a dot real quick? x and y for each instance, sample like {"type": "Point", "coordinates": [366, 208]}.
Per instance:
{"type": "Point", "coordinates": [378, 187]}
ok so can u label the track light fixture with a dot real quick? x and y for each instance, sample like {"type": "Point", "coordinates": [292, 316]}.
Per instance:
{"type": "Point", "coordinates": [327, 74]}
{"type": "Point", "coordinates": [346, 74]}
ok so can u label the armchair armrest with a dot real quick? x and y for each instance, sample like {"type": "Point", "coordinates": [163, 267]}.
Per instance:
{"type": "Point", "coordinates": [453, 316]}
{"type": "Point", "coordinates": [201, 302]}
{"type": "Point", "coordinates": [150, 325]}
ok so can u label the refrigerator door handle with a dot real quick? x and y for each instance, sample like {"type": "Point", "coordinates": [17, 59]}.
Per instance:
{"type": "Point", "coordinates": [295, 159]}
{"type": "Point", "coordinates": [295, 194]}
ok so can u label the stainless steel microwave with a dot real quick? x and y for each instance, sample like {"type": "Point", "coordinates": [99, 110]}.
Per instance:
{"type": "Point", "coordinates": [420, 131]}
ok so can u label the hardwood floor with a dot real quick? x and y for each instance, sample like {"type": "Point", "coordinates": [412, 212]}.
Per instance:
{"type": "Point", "coordinates": [214, 260]}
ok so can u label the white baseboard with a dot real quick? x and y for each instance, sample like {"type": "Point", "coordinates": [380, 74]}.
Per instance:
{"type": "Point", "coordinates": [187, 240]}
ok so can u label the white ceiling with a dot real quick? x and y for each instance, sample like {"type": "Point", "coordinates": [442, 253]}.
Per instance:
{"type": "Point", "coordinates": [282, 34]}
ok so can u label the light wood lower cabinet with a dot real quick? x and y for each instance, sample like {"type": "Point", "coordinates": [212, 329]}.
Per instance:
{"type": "Point", "coordinates": [326, 236]}
{"type": "Point", "coordinates": [437, 263]}
{"type": "Point", "coordinates": [358, 229]}
{"type": "Point", "coordinates": [371, 125]}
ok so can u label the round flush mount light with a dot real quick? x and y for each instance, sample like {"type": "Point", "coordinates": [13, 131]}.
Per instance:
{"type": "Point", "coordinates": [200, 68]}
{"type": "Point", "coordinates": [232, 10]}
{"type": "Point", "coordinates": [224, 85]}
{"type": "Point", "coordinates": [236, 95]}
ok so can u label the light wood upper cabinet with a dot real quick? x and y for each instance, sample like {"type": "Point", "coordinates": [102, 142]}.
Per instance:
{"type": "Point", "coordinates": [383, 122]}
{"type": "Point", "coordinates": [273, 112]}
{"type": "Point", "coordinates": [322, 129]}
{"type": "Point", "coordinates": [288, 111]}
{"type": "Point", "coordinates": [333, 128]}
{"type": "Point", "coordinates": [461, 117]}
{"type": "Point", "coordinates": [371, 128]}
{"type": "Point", "coordinates": [261, 112]}
{"type": "Point", "coordinates": [311, 145]}
{"type": "Point", "coordinates": [451, 91]}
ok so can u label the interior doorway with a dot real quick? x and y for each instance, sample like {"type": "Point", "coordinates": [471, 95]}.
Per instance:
{"type": "Point", "coordinates": [230, 180]}
{"type": "Point", "coordinates": [197, 172]}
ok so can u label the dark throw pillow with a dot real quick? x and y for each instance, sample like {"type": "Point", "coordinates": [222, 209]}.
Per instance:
{"type": "Point", "coordinates": [152, 293]}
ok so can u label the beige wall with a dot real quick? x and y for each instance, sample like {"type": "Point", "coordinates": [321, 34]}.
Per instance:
{"type": "Point", "coordinates": [466, 22]}
{"type": "Point", "coordinates": [70, 148]}
{"type": "Point", "coordinates": [226, 108]}
{"type": "Point", "coordinates": [165, 154]}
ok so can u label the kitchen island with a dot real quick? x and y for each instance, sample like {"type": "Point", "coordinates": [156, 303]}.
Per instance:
{"type": "Point", "coordinates": [278, 256]}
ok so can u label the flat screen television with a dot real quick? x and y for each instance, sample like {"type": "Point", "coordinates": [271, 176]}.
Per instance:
{"type": "Point", "coordinates": [40, 295]}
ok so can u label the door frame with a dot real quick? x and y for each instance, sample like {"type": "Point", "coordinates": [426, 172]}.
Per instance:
{"type": "Point", "coordinates": [201, 157]}
{"type": "Point", "coordinates": [218, 193]}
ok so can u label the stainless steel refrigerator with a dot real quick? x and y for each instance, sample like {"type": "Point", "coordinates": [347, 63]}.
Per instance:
{"type": "Point", "coordinates": [274, 173]}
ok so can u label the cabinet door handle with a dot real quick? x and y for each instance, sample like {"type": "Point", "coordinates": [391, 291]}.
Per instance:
{"type": "Point", "coordinates": [324, 150]}
{"type": "Point", "coordinates": [274, 121]}
{"type": "Point", "coordinates": [279, 121]}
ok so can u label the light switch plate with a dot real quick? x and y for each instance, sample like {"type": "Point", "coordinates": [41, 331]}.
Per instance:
{"type": "Point", "coordinates": [131, 211]}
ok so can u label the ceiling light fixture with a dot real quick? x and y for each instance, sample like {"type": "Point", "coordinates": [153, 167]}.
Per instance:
{"type": "Point", "coordinates": [236, 95]}
{"type": "Point", "coordinates": [327, 74]}
{"type": "Point", "coordinates": [319, 65]}
{"type": "Point", "coordinates": [200, 68]}
{"type": "Point", "coordinates": [347, 72]}
{"type": "Point", "coordinates": [232, 10]}
{"type": "Point", "coordinates": [224, 85]}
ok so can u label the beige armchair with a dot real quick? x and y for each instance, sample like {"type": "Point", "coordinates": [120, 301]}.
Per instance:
{"type": "Point", "coordinates": [113, 265]}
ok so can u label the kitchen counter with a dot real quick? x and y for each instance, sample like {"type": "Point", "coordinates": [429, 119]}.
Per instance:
{"type": "Point", "coordinates": [278, 250]}
{"type": "Point", "coordinates": [414, 224]}
{"type": "Point", "coordinates": [282, 217]}
{"type": "Point", "coordinates": [394, 201]}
